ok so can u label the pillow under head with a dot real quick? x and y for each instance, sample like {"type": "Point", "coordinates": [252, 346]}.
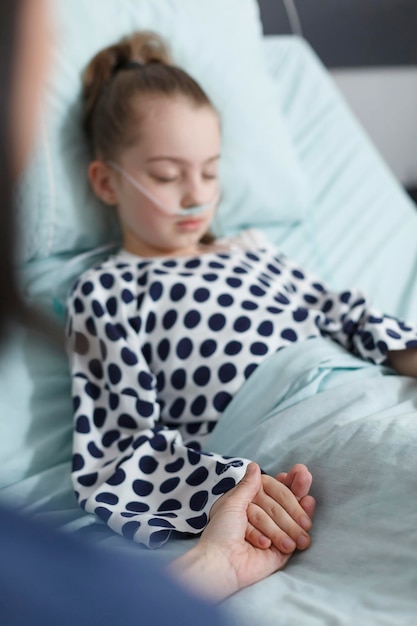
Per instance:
{"type": "Point", "coordinates": [220, 44]}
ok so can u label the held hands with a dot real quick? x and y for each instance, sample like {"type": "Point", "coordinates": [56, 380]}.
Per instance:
{"type": "Point", "coordinates": [280, 512]}
{"type": "Point", "coordinates": [230, 554]}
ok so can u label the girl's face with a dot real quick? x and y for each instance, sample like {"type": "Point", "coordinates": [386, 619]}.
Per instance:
{"type": "Point", "coordinates": [176, 159]}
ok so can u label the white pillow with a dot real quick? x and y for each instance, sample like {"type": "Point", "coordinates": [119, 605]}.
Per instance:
{"type": "Point", "coordinates": [219, 42]}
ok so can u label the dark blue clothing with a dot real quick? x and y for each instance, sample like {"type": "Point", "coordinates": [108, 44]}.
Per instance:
{"type": "Point", "coordinates": [51, 579]}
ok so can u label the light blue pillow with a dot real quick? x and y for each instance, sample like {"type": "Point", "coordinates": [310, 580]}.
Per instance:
{"type": "Point", "coordinates": [220, 43]}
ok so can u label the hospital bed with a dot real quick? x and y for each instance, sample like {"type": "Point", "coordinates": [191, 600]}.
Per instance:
{"type": "Point", "coordinates": [298, 166]}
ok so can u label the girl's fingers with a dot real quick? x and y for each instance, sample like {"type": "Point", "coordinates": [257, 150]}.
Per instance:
{"type": "Point", "coordinates": [282, 506]}
{"type": "Point", "coordinates": [298, 479]}
{"type": "Point", "coordinates": [301, 480]}
{"type": "Point", "coordinates": [257, 538]}
{"type": "Point", "coordinates": [274, 522]}
{"type": "Point", "coordinates": [282, 478]}
{"type": "Point", "coordinates": [308, 503]}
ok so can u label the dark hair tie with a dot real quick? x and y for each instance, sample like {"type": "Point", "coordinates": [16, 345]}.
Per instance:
{"type": "Point", "coordinates": [128, 65]}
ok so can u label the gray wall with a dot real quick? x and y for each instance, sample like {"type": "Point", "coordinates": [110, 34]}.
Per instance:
{"type": "Point", "coordinates": [351, 33]}
{"type": "Point", "coordinates": [370, 47]}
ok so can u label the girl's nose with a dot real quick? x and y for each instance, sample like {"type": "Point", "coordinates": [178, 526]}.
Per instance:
{"type": "Point", "coordinates": [194, 194]}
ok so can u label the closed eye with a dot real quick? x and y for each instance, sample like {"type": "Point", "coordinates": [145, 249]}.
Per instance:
{"type": "Point", "coordinates": [163, 179]}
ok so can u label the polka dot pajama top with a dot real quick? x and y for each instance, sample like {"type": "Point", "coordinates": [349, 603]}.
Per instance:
{"type": "Point", "coordinates": [158, 347]}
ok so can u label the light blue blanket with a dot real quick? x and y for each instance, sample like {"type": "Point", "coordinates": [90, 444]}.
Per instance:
{"type": "Point", "coordinates": [355, 426]}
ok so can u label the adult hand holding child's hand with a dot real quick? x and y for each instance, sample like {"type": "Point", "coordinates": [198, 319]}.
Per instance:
{"type": "Point", "coordinates": [224, 560]}
{"type": "Point", "coordinates": [281, 511]}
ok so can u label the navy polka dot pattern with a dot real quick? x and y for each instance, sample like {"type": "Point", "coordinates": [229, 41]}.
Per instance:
{"type": "Point", "coordinates": [158, 349]}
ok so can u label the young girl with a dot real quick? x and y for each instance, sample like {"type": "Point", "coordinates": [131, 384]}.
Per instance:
{"type": "Point", "coordinates": [163, 334]}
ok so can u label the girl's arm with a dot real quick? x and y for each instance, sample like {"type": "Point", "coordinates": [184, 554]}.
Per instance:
{"type": "Point", "coordinates": [136, 475]}
{"type": "Point", "coordinates": [349, 318]}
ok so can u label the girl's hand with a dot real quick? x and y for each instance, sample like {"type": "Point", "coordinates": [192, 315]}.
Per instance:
{"type": "Point", "coordinates": [281, 511]}
{"type": "Point", "coordinates": [404, 361]}
{"type": "Point", "coordinates": [223, 561]}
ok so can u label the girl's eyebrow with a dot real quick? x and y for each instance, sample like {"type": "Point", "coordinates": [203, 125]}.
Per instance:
{"type": "Point", "coordinates": [178, 160]}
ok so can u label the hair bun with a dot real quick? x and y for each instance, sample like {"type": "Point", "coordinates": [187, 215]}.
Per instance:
{"type": "Point", "coordinates": [109, 91]}
{"type": "Point", "coordinates": [128, 65]}
{"type": "Point", "coordinates": [140, 48]}
{"type": "Point", "coordinates": [147, 47]}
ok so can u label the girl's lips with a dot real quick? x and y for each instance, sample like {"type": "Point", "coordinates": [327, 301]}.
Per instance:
{"type": "Point", "coordinates": [189, 223]}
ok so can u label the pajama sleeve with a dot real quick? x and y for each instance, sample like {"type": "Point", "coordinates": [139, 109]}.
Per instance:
{"type": "Point", "coordinates": [133, 473]}
{"type": "Point", "coordinates": [349, 317]}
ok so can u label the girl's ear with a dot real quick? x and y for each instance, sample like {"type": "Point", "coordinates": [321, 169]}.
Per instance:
{"type": "Point", "coordinates": [102, 181]}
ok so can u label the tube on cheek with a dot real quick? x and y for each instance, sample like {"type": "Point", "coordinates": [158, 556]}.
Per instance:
{"type": "Point", "coordinates": [168, 211]}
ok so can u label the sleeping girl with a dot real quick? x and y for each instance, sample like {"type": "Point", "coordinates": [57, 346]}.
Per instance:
{"type": "Point", "coordinates": [164, 333]}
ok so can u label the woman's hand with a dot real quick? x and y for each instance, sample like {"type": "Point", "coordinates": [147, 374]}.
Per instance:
{"type": "Point", "coordinates": [223, 561]}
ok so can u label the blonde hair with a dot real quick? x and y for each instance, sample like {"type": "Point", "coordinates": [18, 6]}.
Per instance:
{"type": "Point", "coordinates": [138, 67]}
